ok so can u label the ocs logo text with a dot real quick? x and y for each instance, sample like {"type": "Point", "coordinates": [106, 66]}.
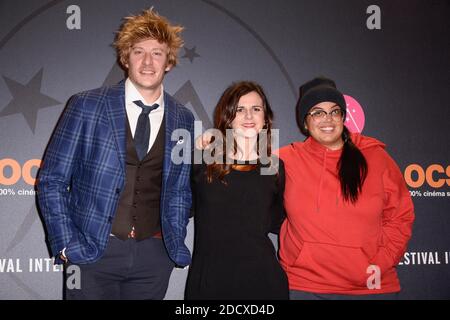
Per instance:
{"type": "Point", "coordinates": [435, 176]}
{"type": "Point", "coordinates": [11, 171]}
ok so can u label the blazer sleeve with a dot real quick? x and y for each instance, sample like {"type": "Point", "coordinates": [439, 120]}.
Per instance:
{"type": "Point", "coordinates": [180, 203]}
{"type": "Point", "coordinates": [184, 179]}
{"type": "Point", "coordinates": [193, 191]}
{"type": "Point", "coordinates": [397, 218]}
{"type": "Point", "coordinates": [54, 180]}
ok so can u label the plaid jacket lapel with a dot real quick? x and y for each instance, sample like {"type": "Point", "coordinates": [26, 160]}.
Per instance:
{"type": "Point", "coordinates": [116, 115]}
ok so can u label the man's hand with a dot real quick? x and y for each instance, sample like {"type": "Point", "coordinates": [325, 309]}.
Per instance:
{"type": "Point", "coordinates": [62, 256]}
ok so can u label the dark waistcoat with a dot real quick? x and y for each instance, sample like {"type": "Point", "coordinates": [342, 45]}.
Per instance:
{"type": "Point", "coordinates": [138, 208]}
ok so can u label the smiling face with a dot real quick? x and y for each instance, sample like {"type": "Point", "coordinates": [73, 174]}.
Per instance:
{"type": "Point", "coordinates": [147, 65]}
{"type": "Point", "coordinates": [327, 131]}
{"type": "Point", "coordinates": [249, 119]}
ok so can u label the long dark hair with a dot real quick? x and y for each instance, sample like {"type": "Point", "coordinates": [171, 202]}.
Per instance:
{"type": "Point", "coordinates": [352, 166]}
{"type": "Point", "coordinates": [224, 114]}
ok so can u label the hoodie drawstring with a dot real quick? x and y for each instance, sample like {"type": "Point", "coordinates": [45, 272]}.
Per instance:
{"type": "Point", "coordinates": [319, 193]}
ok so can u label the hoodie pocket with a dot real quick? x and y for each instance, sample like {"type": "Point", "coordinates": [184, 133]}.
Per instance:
{"type": "Point", "coordinates": [332, 265]}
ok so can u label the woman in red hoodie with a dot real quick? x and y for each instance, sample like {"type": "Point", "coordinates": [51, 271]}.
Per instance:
{"type": "Point", "coordinates": [349, 213]}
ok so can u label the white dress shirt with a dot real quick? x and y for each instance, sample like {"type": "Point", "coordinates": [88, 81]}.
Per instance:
{"type": "Point", "coordinates": [133, 111]}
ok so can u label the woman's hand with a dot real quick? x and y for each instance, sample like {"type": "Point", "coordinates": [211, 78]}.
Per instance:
{"type": "Point", "coordinates": [203, 141]}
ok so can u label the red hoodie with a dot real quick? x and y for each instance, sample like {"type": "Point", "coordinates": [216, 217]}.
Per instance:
{"type": "Point", "coordinates": [326, 244]}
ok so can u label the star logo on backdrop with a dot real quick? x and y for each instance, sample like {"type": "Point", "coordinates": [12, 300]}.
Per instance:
{"type": "Point", "coordinates": [190, 54]}
{"type": "Point", "coordinates": [27, 99]}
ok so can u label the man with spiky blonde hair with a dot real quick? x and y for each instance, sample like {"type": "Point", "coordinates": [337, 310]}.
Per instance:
{"type": "Point", "coordinates": [114, 203]}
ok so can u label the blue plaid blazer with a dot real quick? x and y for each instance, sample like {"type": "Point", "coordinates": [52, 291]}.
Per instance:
{"type": "Point", "coordinates": [83, 175]}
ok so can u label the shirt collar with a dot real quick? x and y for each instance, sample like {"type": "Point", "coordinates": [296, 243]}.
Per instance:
{"type": "Point", "coordinates": [132, 94]}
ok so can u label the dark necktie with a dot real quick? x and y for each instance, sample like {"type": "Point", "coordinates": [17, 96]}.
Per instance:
{"type": "Point", "coordinates": [142, 133]}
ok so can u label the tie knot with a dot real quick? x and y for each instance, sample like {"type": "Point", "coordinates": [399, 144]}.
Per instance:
{"type": "Point", "coordinates": [146, 109]}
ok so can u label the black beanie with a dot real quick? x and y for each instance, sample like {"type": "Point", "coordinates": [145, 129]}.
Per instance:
{"type": "Point", "coordinates": [316, 91]}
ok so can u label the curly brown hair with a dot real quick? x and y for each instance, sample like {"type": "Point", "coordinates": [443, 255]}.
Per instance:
{"type": "Point", "coordinates": [148, 25]}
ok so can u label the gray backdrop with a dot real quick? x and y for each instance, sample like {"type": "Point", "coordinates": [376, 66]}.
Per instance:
{"type": "Point", "coordinates": [398, 74]}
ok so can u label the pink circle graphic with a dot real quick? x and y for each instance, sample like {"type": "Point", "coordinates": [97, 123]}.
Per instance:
{"type": "Point", "coordinates": [355, 115]}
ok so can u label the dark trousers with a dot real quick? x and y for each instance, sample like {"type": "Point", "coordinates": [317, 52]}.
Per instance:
{"type": "Point", "coordinates": [128, 270]}
{"type": "Point", "coordinates": [302, 295]}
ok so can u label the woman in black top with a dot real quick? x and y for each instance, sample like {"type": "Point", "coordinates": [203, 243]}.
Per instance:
{"type": "Point", "coordinates": [238, 200]}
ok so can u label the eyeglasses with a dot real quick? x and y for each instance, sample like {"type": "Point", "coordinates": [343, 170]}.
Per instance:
{"type": "Point", "coordinates": [318, 115]}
